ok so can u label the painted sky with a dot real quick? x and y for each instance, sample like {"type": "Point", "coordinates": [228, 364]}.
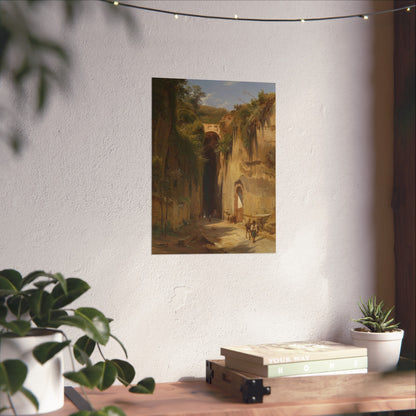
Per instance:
{"type": "Point", "coordinates": [226, 94]}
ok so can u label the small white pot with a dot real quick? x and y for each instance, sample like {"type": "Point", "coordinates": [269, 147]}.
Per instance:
{"type": "Point", "coordinates": [383, 348]}
{"type": "Point", "coordinates": [44, 381]}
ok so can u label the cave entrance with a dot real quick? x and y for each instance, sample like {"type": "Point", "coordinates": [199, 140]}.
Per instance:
{"type": "Point", "coordinates": [238, 203]}
{"type": "Point", "coordinates": [211, 198]}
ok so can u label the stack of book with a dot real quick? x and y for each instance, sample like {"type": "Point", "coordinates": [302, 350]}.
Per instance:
{"type": "Point", "coordinates": [296, 359]}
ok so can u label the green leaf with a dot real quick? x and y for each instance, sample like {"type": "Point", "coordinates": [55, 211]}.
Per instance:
{"type": "Point", "coordinates": [145, 386]}
{"type": "Point", "coordinates": [54, 277]}
{"type": "Point", "coordinates": [12, 375]}
{"type": "Point", "coordinates": [110, 411]}
{"type": "Point", "coordinates": [40, 304]}
{"type": "Point", "coordinates": [108, 374]}
{"type": "Point", "coordinates": [13, 276]}
{"type": "Point", "coordinates": [75, 288]}
{"type": "Point", "coordinates": [30, 396]}
{"type": "Point", "coordinates": [3, 312]}
{"type": "Point", "coordinates": [125, 371]}
{"type": "Point", "coordinates": [18, 305]}
{"type": "Point", "coordinates": [55, 316]}
{"type": "Point", "coordinates": [98, 328]}
{"type": "Point", "coordinates": [31, 277]}
{"type": "Point", "coordinates": [83, 413]}
{"type": "Point", "coordinates": [6, 287]}
{"type": "Point", "coordinates": [45, 351]}
{"type": "Point", "coordinates": [88, 376]}
{"type": "Point", "coordinates": [83, 349]}
{"type": "Point", "coordinates": [105, 411]}
{"type": "Point", "coordinates": [18, 327]}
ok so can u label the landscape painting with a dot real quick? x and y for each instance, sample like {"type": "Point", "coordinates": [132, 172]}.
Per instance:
{"type": "Point", "coordinates": [213, 166]}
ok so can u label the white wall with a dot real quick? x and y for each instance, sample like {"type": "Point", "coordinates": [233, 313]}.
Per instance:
{"type": "Point", "coordinates": [79, 198]}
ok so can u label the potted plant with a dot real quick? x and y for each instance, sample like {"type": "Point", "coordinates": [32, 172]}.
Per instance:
{"type": "Point", "coordinates": [380, 335]}
{"type": "Point", "coordinates": [34, 311]}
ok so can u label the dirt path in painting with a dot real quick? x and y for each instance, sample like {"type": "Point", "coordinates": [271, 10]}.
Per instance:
{"type": "Point", "coordinates": [216, 236]}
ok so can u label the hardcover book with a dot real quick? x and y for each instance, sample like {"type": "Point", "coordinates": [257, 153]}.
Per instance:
{"type": "Point", "coordinates": [292, 352]}
{"type": "Point", "coordinates": [299, 368]}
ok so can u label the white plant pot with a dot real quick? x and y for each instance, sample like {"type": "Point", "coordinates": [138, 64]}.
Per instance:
{"type": "Point", "coordinates": [383, 348]}
{"type": "Point", "coordinates": [44, 381]}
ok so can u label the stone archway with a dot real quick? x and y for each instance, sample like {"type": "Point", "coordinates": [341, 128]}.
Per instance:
{"type": "Point", "coordinates": [239, 202]}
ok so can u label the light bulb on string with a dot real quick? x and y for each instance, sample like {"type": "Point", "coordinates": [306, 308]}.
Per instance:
{"type": "Point", "coordinates": [176, 17]}
{"type": "Point", "coordinates": [236, 16]}
{"type": "Point", "coordinates": [116, 3]}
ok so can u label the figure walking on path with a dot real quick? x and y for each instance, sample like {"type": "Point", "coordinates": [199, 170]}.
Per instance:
{"type": "Point", "coordinates": [254, 231]}
{"type": "Point", "coordinates": [248, 229]}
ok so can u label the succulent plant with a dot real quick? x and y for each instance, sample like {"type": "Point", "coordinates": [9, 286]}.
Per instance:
{"type": "Point", "coordinates": [375, 318]}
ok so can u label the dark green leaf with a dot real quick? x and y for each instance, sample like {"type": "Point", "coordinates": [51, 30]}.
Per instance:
{"type": "Point", "coordinates": [83, 349]}
{"type": "Point", "coordinates": [18, 305]}
{"type": "Point", "coordinates": [47, 350]}
{"type": "Point", "coordinates": [40, 304]}
{"type": "Point", "coordinates": [3, 312]}
{"type": "Point", "coordinates": [75, 321]}
{"type": "Point", "coordinates": [12, 375]}
{"type": "Point", "coordinates": [88, 377]}
{"type": "Point", "coordinates": [18, 327]}
{"type": "Point", "coordinates": [83, 413]}
{"type": "Point", "coordinates": [110, 411]}
{"type": "Point", "coordinates": [108, 374]}
{"type": "Point", "coordinates": [13, 276]}
{"type": "Point", "coordinates": [125, 371]}
{"type": "Point", "coordinates": [7, 287]}
{"type": "Point", "coordinates": [145, 386]}
{"type": "Point", "coordinates": [75, 288]}
{"type": "Point", "coordinates": [98, 328]}
{"type": "Point", "coordinates": [43, 284]}
{"type": "Point", "coordinates": [105, 411]}
{"type": "Point", "coordinates": [30, 396]}
{"type": "Point", "coordinates": [31, 277]}
{"type": "Point", "coordinates": [55, 316]}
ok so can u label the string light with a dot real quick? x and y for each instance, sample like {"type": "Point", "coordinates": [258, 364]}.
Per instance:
{"type": "Point", "coordinates": [248, 19]}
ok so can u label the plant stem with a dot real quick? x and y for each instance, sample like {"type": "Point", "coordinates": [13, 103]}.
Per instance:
{"type": "Point", "coordinates": [101, 353]}
{"type": "Point", "coordinates": [11, 404]}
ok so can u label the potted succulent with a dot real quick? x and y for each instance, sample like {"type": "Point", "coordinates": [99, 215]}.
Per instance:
{"type": "Point", "coordinates": [34, 310]}
{"type": "Point", "coordinates": [380, 335]}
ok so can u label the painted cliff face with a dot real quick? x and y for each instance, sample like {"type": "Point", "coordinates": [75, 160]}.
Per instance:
{"type": "Point", "coordinates": [213, 166]}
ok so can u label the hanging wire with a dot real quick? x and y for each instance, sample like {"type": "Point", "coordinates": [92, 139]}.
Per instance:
{"type": "Point", "coordinates": [249, 19]}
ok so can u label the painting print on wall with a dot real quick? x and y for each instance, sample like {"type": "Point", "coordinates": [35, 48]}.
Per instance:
{"type": "Point", "coordinates": [213, 166]}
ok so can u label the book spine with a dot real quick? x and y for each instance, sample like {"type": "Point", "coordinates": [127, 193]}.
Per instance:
{"type": "Point", "coordinates": [313, 367]}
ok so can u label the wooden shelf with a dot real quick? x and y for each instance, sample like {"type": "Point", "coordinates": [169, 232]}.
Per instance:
{"type": "Point", "coordinates": [308, 396]}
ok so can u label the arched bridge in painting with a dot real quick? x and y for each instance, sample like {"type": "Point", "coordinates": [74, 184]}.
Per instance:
{"type": "Point", "coordinates": [215, 128]}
